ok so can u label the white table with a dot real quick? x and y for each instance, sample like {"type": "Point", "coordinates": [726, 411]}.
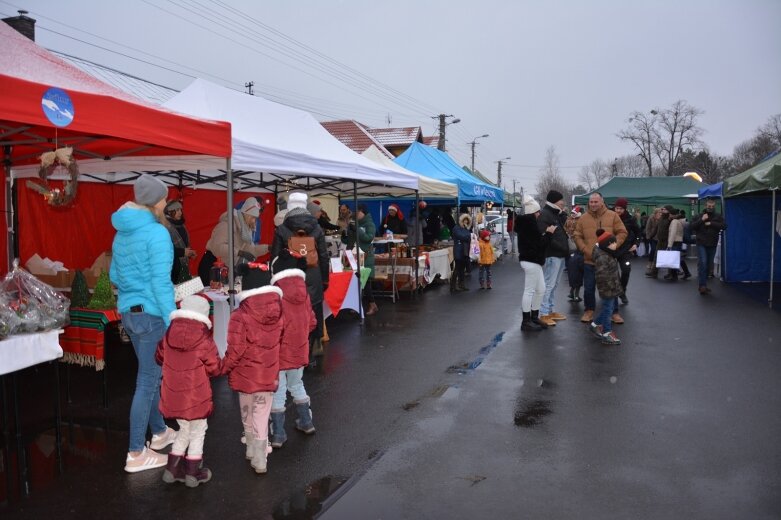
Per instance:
{"type": "Point", "coordinates": [439, 264]}
{"type": "Point", "coordinates": [221, 317]}
{"type": "Point", "coordinates": [352, 299]}
{"type": "Point", "coordinates": [25, 350]}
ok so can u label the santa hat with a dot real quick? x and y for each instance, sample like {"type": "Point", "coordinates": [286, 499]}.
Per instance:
{"type": "Point", "coordinates": [397, 209]}
{"type": "Point", "coordinates": [576, 211]}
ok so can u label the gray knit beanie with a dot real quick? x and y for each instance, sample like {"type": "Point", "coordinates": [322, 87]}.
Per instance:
{"type": "Point", "coordinates": [149, 190]}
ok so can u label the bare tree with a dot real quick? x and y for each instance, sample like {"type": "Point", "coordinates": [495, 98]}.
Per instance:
{"type": "Point", "coordinates": [677, 131]}
{"type": "Point", "coordinates": [772, 129]}
{"type": "Point", "coordinates": [595, 174]}
{"type": "Point", "coordinates": [642, 133]}
{"type": "Point", "coordinates": [630, 166]}
{"type": "Point", "coordinates": [550, 176]}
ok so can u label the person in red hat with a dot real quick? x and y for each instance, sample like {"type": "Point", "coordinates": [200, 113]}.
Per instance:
{"type": "Point", "coordinates": [487, 258]}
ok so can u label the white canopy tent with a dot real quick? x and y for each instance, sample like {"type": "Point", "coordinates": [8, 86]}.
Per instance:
{"type": "Point", "coordinates": [427, 187]}
{"type": "Point", "coordinates": [276, 146]}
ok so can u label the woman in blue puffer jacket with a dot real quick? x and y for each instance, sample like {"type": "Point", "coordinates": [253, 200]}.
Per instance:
{"type": "Point", "coordinates": [142, 256]}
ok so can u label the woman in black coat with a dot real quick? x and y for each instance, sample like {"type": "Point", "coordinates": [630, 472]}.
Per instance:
{"type": "Point", "coordinates": [531, 254]}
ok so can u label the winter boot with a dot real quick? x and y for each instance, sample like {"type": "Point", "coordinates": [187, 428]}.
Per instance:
{"type": "Point", "coordinates": [536, 319]}
{"type": "Point", "coordinates": [304, 421]}
{"type": "Point", "coordinates": [577, 295]}
{"type": "Point", "coordinates": [249, 437]}
{"type": "Point", "coordinates": [571, 296]}
{"type": "Point", "coordinates": [277, 429]}
{"type": "Point", "coordinates": [196, 473]}
{"type": "Point", "coordinates": [316, 347]}
{"type": "Point", "coordinates": [174, 470]}
{"type": "Point", "coordinates": [527, 323]}
{"type": "Point", "coordinates": [259, 459]}
{"type": "Point", "coordinates": [462, 287]}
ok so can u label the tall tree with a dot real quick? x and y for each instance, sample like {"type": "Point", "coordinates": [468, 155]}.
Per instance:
{"type": "Point", "coordinates": [550, 176]}
{"type": "Point", "coordinates": [630, 166]}
{"type": "Point", "coordinates": [772, 129]}
{"type": "Point", "coordinates": [642, 132]}
{"type": "Point", "coordinates": [595, 174]}
{"type": "Point", "coordinates": [677, 130]}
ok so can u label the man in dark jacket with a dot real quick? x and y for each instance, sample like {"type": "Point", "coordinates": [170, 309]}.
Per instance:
{"type": "Point", "coordinates": [556, 252]}
{"type": "Point", "coordinates": [462, 237]}
{"type": "Point", "coordinates": [625, 252]}
{"type": "Point", "coordinates": [299, 218]}
{"type": "Point", "coordinates": [706, 227]}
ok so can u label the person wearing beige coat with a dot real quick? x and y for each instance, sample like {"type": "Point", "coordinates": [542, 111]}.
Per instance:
{"type": "Point", "coordinates": [244, 249]}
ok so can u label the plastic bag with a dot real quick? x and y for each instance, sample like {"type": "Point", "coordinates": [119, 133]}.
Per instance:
{"type": "Point", "coordinates": [29, 305]}
{"type": "Point", "coordinates": [474, 248]}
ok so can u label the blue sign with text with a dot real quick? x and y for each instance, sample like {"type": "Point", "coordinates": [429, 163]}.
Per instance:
{"type": "Point", "coordinates": [58, 107]}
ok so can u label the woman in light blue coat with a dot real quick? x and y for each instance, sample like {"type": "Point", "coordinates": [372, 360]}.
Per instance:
{"type": "Point", "coordinates": [142, 256]}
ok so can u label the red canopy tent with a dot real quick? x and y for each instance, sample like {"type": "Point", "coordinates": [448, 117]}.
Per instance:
{"type": "Point", "coordinates": [109, 130]}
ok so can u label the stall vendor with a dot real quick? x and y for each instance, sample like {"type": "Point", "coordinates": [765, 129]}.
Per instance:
{"type": "Point", "coordinates": [394, 222]}
{"type": "Point", "coordinates": [244, 249]}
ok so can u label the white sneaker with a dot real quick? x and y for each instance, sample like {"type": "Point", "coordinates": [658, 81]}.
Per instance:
{"type": "Point", "coordinates": [164, 439]}
{"type": "Point", "coordinates": [148, 459]}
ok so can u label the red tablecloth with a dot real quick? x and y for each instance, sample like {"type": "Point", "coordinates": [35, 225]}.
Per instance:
{"type": "Point", "coordinates": [83, 340]}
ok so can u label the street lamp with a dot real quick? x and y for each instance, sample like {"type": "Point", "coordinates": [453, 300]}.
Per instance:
{"type": "Point", "coordinates": [473, 142]}
{"type": "Point", "coordinates": [499, 171]}
{"type": "Point", "coordinates": [442, 124]}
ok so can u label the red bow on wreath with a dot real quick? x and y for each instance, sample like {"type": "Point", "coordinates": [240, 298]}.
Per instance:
{"type": "Point", "coordinates": [50, 161]}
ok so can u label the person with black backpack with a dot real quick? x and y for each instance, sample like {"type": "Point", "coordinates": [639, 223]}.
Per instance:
{"type": "Point", "coordinates": [301, 230]}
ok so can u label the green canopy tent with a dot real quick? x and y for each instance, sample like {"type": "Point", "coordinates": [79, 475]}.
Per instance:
{"type": "Point", "coordinates": [751, 203]}
{"type": "Point", "coordinates": [649, 192]}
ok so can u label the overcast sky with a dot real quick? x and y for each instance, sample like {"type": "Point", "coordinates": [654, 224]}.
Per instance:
{"type": "Point", "coordinates": [530, 73]}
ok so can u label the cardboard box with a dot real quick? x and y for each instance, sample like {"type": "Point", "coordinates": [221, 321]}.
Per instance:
{"type": "Point", "coordinates": [61, 280]}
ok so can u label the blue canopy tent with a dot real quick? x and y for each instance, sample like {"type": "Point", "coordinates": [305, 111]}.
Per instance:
{"type": "Point", "coordinates": [434, 163]}
{"type": "Point", "coordinates": [752, 200]}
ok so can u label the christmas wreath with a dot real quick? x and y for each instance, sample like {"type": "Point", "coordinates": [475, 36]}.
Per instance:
{"type": "Point", "coordinates": [49, 162]}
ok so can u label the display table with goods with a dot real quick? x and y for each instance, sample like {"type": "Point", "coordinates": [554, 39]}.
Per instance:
{"type": "Point", "coordinates": [32, 315]}
{"type": "Point", "coordinates": [399, 273]}
{"type": "Point", "coordinates": [437, 262]}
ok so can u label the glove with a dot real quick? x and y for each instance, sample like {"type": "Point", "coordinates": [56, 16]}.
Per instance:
{"type": "Point", "coordinates": [244, 256]}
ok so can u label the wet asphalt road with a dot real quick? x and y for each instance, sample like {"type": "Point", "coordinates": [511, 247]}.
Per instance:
{"type": "Point", "coordinates": [441, 408]}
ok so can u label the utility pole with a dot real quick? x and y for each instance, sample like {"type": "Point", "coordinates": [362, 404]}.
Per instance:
{"type": "Point", "coordinates": [473, 142]}
{"type": "Point", "coordinates": [249, 86]}
{"type": "Point", "coordinates": [499, 173]}
{"type": "Point", "coordinates": [442, 124]}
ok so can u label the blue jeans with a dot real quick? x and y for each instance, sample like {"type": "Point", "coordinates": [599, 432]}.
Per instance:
{"type": "Point", "coordinates": [589, 287]}
{"type": "Point", "coordinates": [552, 271]}
{"type": "Point", "coordinates": [289, 380]}
{"type": "Point", "coordinates": [145, 331]}
{"type": "Point", "coordinates": [705, 256]}
{"type": "Point", "coordinates": [605, 314]}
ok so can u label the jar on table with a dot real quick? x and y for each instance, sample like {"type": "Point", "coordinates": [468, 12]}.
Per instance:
{"type": "Point", "coordinates": [218, 275]}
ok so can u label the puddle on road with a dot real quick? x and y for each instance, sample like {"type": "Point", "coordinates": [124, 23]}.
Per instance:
{"type": "Point", "coordinates": [465, 366]}
{"type": "Point", "coordinates": [530, 413]}
{"type": "Point", "coordinates": [307, 503]}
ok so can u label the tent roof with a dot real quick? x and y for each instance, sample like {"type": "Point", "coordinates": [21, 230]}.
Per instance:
{"type": "Point", "coordinates": [713, 190]}
{"type": "Point", "coordinates": [287, 143]}
{"type": "Point", "coordinates": [110, 130]}
{"type": "Point", "coordinates": [427, 187]}
{"type": "Point", "coordinates": [764, 176]}
{"type": "Point", "coordinates": [649, 191]}
{"type": "Point", "coordinates": [439, 165]}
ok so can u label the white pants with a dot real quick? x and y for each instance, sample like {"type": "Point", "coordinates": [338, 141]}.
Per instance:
{"type": "Point", "coordinates": [533, 288]}
{"type": "Point", "coordinates": [190, 438]}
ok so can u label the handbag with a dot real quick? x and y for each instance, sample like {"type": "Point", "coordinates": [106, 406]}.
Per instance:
{"type": "Point", "coordinates": [668, 259]}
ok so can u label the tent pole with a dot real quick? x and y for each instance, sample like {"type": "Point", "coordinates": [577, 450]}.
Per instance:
{"type": "Point", "coordinates": [418, 239]}
{"type": "Point", "coordinates": [358, 250]}
{"type": "Point", "coordinates": [9, 207]}
{"type": "Point", "coordinates": [772, 245]}
{"type": "Point", "coordinates": [231, 274]}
